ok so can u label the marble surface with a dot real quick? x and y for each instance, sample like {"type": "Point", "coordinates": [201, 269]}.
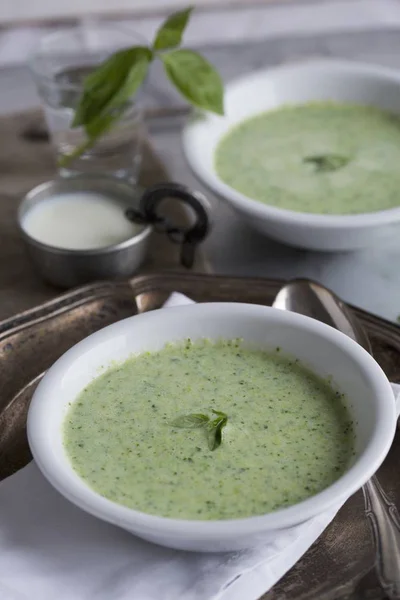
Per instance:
{"type": "Point", "coordinates": [217, 22]}
{"type": "Point", "coordinates": [371, 278]}
{"type": "Point", "coordinates": [213, 21]}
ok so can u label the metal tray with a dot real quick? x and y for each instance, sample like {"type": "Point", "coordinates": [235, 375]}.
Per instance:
{"type": "Point", "coordinates": [31, 341]}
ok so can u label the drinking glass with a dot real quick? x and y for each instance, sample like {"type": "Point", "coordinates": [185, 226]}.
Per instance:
{"type": "Point", "coordinates": [59, 67]}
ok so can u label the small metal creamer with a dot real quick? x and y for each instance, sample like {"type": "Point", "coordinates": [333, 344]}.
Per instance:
{"type": "Point", "coordinates": [67, 268]}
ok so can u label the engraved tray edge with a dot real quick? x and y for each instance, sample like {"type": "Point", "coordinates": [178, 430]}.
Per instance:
{"type": "Point", "coordinates": [168, 282]}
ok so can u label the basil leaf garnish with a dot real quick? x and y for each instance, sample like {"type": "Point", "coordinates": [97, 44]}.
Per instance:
{"type": "Point", "coordinates": [192, 421]}
{"type": "Point", "coordinates": [214, 429]}
{"type": "Point", "coordinates": [213, 426]}
{"type": "Point", "coordinates": [325, 163]}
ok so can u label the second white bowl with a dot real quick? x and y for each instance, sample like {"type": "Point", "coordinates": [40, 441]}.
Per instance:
{"type": "Point", "coordinates": [260, 91]}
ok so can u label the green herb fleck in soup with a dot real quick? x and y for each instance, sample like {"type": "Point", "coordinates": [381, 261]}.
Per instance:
{"type": "Point", "coordinates": [321, 158]}
{"type": "Point", "coordinates": [209, 431]}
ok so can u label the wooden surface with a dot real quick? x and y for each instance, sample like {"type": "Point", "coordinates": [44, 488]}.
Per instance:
{"type": "Point", "coordinates": [23, 165]}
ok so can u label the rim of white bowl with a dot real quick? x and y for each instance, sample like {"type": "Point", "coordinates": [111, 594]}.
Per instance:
{"type": "Point", "coordinates": [60, 473]}
{"type": "Point", "coordinates": [258, 209]}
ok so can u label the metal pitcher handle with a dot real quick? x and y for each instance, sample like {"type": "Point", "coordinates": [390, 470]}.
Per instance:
{"type": "Point", "coordinates": [187, 237]}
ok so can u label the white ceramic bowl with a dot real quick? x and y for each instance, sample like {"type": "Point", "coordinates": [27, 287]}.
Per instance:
{"type": "Point", "coordinates": [294, 84]}
{"type": "Point", "coordinates": [325, 350]}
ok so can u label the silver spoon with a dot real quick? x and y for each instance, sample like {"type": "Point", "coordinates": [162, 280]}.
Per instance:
{"type": "Point", "coordinates": [314, 300]}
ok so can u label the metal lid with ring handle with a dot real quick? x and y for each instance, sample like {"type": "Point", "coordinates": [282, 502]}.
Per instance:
{"type": "Point", "coordinates": [188, 237]}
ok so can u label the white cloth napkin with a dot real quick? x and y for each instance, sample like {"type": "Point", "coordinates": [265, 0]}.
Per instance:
{"type": "Point", "coordinates": [51, 550]}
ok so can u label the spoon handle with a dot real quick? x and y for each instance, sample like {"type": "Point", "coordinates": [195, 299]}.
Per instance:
{"type": "Point", "coordinates": [385, 526]}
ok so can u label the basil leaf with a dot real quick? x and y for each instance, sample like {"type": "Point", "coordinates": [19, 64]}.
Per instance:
{"type": "Point", "coordinates": [113, 83]}
{"type": "Point", "coordinates": [195, 78]}
{"type": "Point", "coordinates": [170, 33]}
{"type": "Point", "coordinates": [214, 430]}
{"type": "Point", "coordinates": [197, 420]}
{"type": "Point", "coordinates": [192, 421]}
{"type": "Point", "coordinates": [219, 413]}
{"type": "Point", "coordinates": [325, 163]}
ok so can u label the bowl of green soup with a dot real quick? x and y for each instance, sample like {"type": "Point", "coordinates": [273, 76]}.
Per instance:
{"type": "Point", "coordinates": [307, 153]}
{"type": "Point", "coordinates": [210, 427]}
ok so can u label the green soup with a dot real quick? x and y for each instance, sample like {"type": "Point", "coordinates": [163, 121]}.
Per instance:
{"type": "Point", "coordinates": [288, 434]}
{"type": "Point", "coordinates": [321, 158]}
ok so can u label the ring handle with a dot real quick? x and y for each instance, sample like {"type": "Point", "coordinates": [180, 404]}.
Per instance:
{"type": "Point", "coordinates": [187, 237]}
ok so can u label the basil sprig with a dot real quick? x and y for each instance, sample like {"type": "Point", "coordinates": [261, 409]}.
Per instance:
{"type": "Point", "coordinates": [213, 426]}
{"type": "Point", "coordinates": [108, 88]}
